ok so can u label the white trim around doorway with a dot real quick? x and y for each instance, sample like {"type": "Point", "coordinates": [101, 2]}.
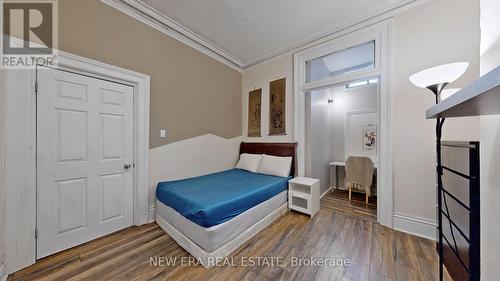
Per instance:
{"type": "Point", "coordinates": [380, 33]}
{"type": "Point", "coordinates": [20, 158]}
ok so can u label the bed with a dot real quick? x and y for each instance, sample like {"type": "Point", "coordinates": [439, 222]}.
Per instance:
{"type": "Point", "coordinates": [211, 225]}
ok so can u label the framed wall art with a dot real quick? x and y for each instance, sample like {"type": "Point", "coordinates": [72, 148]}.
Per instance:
{"type": "Point", "coordinates": [254, 111]}
{"type": "Point", "coordinates": [370, 138]}
{"type": "Point", "coordinates": [277, 105]}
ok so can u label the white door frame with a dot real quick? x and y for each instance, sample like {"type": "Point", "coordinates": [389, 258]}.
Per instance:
{"type": "Point", "coordinates": [380, 33]}
{"type": "Point", "coordinates": [20, 157]}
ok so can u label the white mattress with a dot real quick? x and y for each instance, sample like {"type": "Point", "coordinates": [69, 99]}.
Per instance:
{"type": "Point", "coordinates": [211, 238]}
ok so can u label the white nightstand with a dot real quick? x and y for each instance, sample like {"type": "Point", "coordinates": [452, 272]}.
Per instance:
{"type": "Point", "coordinates": [303, 195]}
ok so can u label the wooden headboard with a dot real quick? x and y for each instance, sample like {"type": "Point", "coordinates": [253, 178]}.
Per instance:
{"type": "Point", "coordinates": [272, 148]}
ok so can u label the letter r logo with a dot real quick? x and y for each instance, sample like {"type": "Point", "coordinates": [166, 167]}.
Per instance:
{"type": "Point", "coordinates": [31, 22]}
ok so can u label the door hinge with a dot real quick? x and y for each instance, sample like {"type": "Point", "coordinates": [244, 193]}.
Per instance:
{"type": "Point", "coordinates": [36, 233]}
{"type": "Point", "coordinates": [36, 87]}
{"type": "Point", "coordinates": [133, 165]}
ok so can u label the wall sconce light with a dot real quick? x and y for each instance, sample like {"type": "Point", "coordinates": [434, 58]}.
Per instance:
{"type": "Point", "coordinates": [330, 101]}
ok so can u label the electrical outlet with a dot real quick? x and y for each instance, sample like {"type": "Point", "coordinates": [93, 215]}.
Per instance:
{"type": "Point", "coordinates": [163, 134]}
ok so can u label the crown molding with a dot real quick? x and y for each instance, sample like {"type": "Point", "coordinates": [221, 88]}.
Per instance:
{"type": "Point", "coordinates": [144, 13]}
{"type": "Point", "coordinates": [150, 16]}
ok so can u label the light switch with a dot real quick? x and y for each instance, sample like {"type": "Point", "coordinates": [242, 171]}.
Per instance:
{"type": "Point", "coordinates": [162, 134]}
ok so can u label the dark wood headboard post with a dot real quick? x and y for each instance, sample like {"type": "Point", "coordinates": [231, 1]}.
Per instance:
{"type": "Point", "coordinates": [284, 149]}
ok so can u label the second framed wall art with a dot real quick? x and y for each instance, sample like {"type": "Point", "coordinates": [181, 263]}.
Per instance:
{"type": "Point", "coordinates": [277, 105]}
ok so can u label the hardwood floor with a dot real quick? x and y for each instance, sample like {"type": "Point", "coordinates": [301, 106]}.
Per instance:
{"type": "Point", "coordinates": [374, 252]}
{"type": "Point", "coordinates": [338, 201]}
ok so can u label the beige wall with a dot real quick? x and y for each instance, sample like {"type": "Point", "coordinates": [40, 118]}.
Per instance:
{"type": "Point", "coordinates": [259, 76]}
{"type": "Point", "coordinates": [424, 37]}
{"type": "Point", "coordinates": [489, 148]}
{"type": "Point", "coordinates": [191, 93]}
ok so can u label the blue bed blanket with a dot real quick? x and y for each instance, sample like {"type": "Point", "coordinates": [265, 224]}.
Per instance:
{"type": "Point", "coordinates": [216, 198]}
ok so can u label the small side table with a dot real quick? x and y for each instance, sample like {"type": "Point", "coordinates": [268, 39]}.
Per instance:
{"type": "Point", "coordinates": [303, 195]}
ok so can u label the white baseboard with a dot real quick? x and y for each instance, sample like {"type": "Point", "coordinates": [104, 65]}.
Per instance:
{"type": "Point", "coordinates": [417, 226]}
{"type": "Point", "coordinates": [326, 192]}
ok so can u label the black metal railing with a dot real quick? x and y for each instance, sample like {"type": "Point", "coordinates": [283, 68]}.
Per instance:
{"type": "Point", "coordinates": [458, 213]}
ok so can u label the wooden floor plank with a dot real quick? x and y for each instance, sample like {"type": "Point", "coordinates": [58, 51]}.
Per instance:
{"type": "Point", "coordinates": [359, 252]}
{"type": "Point", "coordinates": [91, 265]}
{"type": "Point", "coordinates": [341, 230]}
{"type": "Point", "coordinates": [338, 201]}
{"type": "Point", "coordinates": [382, 260]}
{"type": "Point", "coordinates": [71, 255]}
{"type": "Point", "coordinates": [338, 249]}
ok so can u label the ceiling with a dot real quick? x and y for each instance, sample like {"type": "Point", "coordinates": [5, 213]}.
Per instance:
{"type": "Point", "coordinates": [254, 30]}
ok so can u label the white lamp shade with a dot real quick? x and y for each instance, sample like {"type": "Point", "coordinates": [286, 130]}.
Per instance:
{"type": "Point", "coordinates": [446, 93]}
{"type": "Point", "coordinates": [445, 73]}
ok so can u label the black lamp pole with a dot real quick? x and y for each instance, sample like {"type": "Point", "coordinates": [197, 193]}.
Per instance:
{"type": "Point", "coordinates": [437, 89]}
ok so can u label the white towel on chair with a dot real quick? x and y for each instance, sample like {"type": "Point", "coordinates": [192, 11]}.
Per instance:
{"type": "Point", "coordinates": [359, 173]}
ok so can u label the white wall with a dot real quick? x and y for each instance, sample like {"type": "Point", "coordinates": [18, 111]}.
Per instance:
{"type": "Point", "coordinates": [259, 76]}
{"type": "Point", "coordinates": [318, 140]}
{"type": "Point", "coordinates": [431, 34]}
{"type": "Point", "coordinates": [325, 135]}
{"type": "Point", "coordinates": [347, 101]}
{"type": "Point", "coordinates": [490, 148]}
{"type": "Point", "coordinates": [490, 196]}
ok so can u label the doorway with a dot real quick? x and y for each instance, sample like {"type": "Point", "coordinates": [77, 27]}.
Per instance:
{"type": "Point", "coordinates": [342, 122]}
{"type": "Point", "coordinates": [351, 58]}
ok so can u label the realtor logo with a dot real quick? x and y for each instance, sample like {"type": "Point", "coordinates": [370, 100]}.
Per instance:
{"type": "Point", "coordinates": [29, 34]}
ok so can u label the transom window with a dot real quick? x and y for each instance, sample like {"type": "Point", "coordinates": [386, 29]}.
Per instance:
{"type": "Point", "coordinates": [361, 83]}
{"type": "Point", "coordinates": [347, 61]}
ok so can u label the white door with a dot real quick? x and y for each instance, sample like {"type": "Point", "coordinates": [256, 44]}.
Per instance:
{"type": "Point", "coordinates": [84, 149]}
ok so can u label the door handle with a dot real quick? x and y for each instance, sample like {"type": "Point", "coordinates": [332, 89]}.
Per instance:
{"type": "Point", "coordinates": [127, 166]}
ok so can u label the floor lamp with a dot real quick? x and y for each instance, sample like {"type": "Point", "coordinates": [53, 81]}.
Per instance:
{"type": "Point", "coordinates": [436, 79]}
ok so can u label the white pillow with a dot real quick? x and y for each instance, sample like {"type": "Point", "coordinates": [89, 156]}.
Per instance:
{"type": "Point", "coordinates": [249, 162]}
{"type": "Point", "coordinates": [275, 165]}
